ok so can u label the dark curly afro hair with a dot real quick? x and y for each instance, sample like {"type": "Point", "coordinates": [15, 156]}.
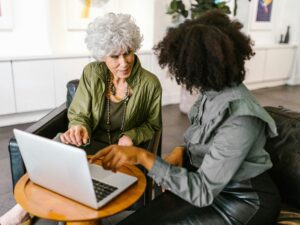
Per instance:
{"type": "Point", "coordinates": [207, 53]}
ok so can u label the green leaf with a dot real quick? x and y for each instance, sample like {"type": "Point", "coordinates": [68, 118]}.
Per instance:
{"type": "Point", "coordinates": [170, 11]}
{"type": "Point", "coordinates": [198, 7]}
{"type": "Point", "coordinates": [173, 5]}
{"type": "Point", "coordinates": [173, 8]}
{"type": "Point", "coordinates": [223, 7]}
{"type": "Point", "coordinates": [185, 13]}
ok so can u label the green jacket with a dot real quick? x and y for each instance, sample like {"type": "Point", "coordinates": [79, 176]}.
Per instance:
{"type": "Point", "coordinates": [143, 113]}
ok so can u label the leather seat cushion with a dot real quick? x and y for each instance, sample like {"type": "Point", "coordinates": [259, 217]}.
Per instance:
{"type": "Point", "coordinates": [285, 154]}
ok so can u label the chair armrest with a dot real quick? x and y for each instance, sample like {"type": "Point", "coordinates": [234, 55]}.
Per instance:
{"type": "Point", "coordinates": [54, 122]}
{"type": "Point", "coordinates": [154, 146]}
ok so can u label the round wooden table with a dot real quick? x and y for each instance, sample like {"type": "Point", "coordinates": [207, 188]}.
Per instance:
{"type": "Point", "coordinates": [46, 204]}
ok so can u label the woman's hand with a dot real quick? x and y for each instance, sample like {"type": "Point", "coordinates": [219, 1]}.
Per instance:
{"type": "Point", "coordinates": [76, 135]}
{"type": "Point", "coordinates": [125, 141]}
{"type": "Point", "coordinates": [175, 157]}
{"type": "Point", "coordinates": [115, 156]}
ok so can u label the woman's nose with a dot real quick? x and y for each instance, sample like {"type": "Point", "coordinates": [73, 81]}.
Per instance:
{"type": "Point", "coordinates": [122, 60]}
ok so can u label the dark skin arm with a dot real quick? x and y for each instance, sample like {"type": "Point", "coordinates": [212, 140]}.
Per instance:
{"type": "Point", "coordinates": [175, 157]}
{"type": "Point", "coordinates": [115, 156]}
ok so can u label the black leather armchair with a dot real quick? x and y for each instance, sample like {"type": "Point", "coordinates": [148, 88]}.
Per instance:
{"type": "Point", "coordinates": [56, 121]}
{"type": "Point", "coordinates": [285, 154]}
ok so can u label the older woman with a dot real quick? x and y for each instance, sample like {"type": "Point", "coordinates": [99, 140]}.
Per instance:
{"type": "Point", "coordinates": [117, 101]}
{"type": "Point", "coordinates": [219, 174]}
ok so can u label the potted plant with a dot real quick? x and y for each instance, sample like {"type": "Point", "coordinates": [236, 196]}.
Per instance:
{"type": "Point", "coordinates": [177, 8]}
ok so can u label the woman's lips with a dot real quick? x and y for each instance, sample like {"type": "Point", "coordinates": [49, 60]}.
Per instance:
{"type": "Point", "coordinates": [124, 71]}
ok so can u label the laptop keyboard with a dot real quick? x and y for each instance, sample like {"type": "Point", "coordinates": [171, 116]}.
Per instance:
{"type": "Point", "coordinates": [102, 190]}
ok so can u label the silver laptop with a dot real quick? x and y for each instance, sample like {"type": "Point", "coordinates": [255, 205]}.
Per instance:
{"type": "Point", "coordinates": [64, 169]}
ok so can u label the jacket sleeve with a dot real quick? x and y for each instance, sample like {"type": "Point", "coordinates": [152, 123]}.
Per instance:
{"type": "Point", "coordinates": [79, 112]}
{"type": "Point", "coordinates": [146, 130]}
{"type": "Point", "coordinates": [231, 145]}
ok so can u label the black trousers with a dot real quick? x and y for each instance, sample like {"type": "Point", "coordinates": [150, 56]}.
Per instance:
{"type": "Point", "coordinates": [254, 201]}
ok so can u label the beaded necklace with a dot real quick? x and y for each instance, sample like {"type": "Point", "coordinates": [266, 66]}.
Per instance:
{"type": "Point", "coordinates": [110, 89]}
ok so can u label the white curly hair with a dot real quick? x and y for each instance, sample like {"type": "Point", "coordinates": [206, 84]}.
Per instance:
{"type": "Point", "coordinates": [111, 33]}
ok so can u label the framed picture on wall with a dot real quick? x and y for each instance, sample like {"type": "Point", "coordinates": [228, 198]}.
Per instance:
{"type": "Point", "coordinates": [80, 13]}
{"type": "Point", "coordinates": [262, 14]}
{"type": "Point", "coordinates": [6, 17]}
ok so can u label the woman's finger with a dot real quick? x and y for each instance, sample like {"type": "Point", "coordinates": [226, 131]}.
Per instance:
{"type": "Point", "coordinates": [67, 138]}
{"type": "Point", "coordinates": [119, 164]}
{"type": "Point", "coordinates": [101, 153]}
{"type": "Point", "coordinates": [72, 137]}
{"type": "Point", "coordinates": [116, 161]}
{"type": "Point", "coordinates": [78, 136]}
{"type": "Point", "coordinates": [106, 161]}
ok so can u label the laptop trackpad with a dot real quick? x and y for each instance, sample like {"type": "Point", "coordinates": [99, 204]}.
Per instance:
{"type": "Point", "coordinates": [98, 173]}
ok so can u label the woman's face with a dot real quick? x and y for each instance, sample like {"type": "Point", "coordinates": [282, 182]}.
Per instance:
{"type": "Point", "coordinates": [120, 64]}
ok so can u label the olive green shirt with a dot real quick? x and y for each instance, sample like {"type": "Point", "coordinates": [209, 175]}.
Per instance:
{"type": "Point", "coordinates": [225, 142]}
{"type": "Point", "coordinates": [143, 112]}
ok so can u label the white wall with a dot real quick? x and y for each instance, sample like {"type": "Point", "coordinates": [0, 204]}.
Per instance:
{"type": "Point", "coordinates": [41, 26]}
{"type": "Point", "coordinates": [143, 12]}
{"type": "Point", "coordinates": [286, 13]}
{"type": "Point", "coordinates": [29, 35]}
{"type": "Point", "coordinates": [61, 39]}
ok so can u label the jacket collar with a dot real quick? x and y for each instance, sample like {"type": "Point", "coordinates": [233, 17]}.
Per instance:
{"type": "Point", "coordinates": [134, 77]}
{"type": "Point", "coordinates": [211, 94]}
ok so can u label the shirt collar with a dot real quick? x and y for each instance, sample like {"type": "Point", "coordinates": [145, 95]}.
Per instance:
{"type": "Point", "coordinates": [211, 94]}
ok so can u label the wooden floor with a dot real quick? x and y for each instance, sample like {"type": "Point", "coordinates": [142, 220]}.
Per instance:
{"type": "Point", "coordinates": [174, 124]}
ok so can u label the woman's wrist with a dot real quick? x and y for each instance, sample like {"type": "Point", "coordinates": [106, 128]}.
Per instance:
{"type": "Point", "coordinates": [146, 159]}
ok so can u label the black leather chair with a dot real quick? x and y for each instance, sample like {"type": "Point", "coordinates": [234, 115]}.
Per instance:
{"type": "Point", "coordinates": [56, 121]}
{"type": "Point", "coordinates": [285, 154]}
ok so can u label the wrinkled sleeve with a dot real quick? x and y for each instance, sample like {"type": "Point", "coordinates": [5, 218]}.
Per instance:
{"type": "Point", "coordinates": [79, 112]}
{"type": "Point", "coordinates": [145, 131]}
{"type": "Point", "coordinates": [230, 146]}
